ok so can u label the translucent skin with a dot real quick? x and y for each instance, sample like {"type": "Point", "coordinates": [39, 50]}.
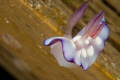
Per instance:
{"type": "Point", "coordinates": [84, 48]}
{"type": "Point", "coordinates": [92, 47]}
{"type": "Point", "coordinates": [66, 53]}
{"type": "Point", "coordinates": [56, 50]}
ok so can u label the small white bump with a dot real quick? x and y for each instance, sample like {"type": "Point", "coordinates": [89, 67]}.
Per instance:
{"type": "Point", "coordinates": [87, 42]}
{"type": "Point", "coordinates": [98, 41]}
{"type": "Point", "coordinates": [84, 54]}
{"type": "Point", "coordinates": [90, 51]}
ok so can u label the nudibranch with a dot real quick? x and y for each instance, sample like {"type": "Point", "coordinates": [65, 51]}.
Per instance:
{"type": "Point", "coordinates": [83, 49]}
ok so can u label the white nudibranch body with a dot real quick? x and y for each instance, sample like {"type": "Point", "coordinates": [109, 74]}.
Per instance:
{"type": "Point", "coordinates": [84, 48]}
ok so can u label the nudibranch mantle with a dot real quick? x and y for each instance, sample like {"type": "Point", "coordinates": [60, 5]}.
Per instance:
{"type": "Point", "coordinates": [84, 48]}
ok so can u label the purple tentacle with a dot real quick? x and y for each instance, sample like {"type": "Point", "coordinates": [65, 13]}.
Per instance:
{"type": "Point", "coordinates": [76, 16]}
{"type": "Point", "coordinates": [90, 28]}
{"type": "Point", "coordinates": [97, 31]}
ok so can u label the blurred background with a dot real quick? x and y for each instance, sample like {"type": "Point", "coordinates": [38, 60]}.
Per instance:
{"type": "Point", "coordinates": [25, 24]}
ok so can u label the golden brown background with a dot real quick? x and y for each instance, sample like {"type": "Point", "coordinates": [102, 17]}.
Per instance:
{"type": "Point", "coordinates": [25, 24]}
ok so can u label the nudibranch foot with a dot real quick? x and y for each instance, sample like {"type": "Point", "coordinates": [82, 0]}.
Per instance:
{"type": "Point", "coordinates": [56, 51]}
{"type": "Point", "coordinates": [68, 52]}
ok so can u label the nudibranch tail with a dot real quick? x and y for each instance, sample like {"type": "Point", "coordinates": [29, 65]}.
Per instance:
{"type": "Point", "coordinates": [76, 16]}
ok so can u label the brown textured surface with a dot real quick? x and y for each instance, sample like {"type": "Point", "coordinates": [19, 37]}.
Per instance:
{"type": "Point", "coordinates": [24, 24]}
